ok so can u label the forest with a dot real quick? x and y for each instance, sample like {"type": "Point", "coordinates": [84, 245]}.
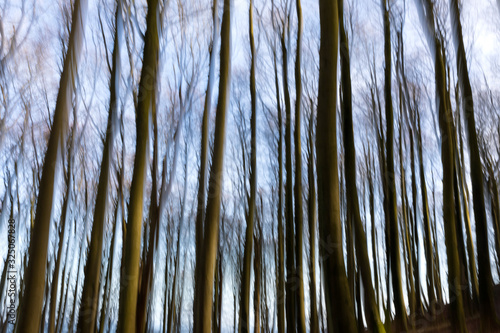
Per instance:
{"type": "Point", "coordinates": [249, 166]}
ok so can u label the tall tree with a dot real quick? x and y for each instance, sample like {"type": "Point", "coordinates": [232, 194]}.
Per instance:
{"type": "Point", "coordinates": [89, 302]}
{"type": "Point", "coordinates": [32, 300]}
{"type": "Point", "coordinates": [132, 244]}
{"type": "Point", "coordinates": [373, 317]}
{"type": "Point", "coordinates": [486, 301]}
{"type": "Point", "coordinates": [426, 10]}
{"type": "Point", "coordinates": [205, 278]}
{"type": "Point", "coordinates": [244, 324]}
{"type": "Point", "coordinates": [299, 215]}
{"type": "Point", "coordinates": [394, 255]}
{"type": "Point", "coordinates": [202, 177]}
{"type": "Point", "coordinates": [339, 305]}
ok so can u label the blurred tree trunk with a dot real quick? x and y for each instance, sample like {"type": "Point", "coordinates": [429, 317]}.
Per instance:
{"type": "Point", "coordinates": [132, 246]}
{"type": "Point", "coordinates": [311, 209]}
{"type": "Point", "coordinates": [290, 294]}
{"type": "Point", "coordinates": [244, 324]}
{"type": "Point", "coordinates": [428, 239]}
{"type": "Point", "coordinates": [205, 279]}
{"type": "Point", "coordinates": [447, 159]}
{"type": "Point", "coordinates": [299, 214]}
{"type": "Point", "coordinates": [202, 178]}
{"type": "Point", "coordinates": [34, 283]}
{"type": "Point", "coordinates": [89, 302]}
{"type": "Point", "coordinates": [280, 285]}
{"type": "Point", "coordinates": [394, 253]}
{"type": "Point", "coordinates": [62, 236]}
{"type": "Point", "coordinates": [363, 262]}
{"type": "Point", "coordinates": [486, 301]}
{"type": "Point", "coordinates": [340, 308]}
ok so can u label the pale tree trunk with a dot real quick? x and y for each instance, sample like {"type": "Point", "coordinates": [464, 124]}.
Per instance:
{"type": "Point", "coordinates": [340, 309]}
{"type": "Point", "coordinates": [34, 283]}
{"type": "Point", "coordinates": [205, 279]}
{"type": "Point", "coordinates": [132, 245]}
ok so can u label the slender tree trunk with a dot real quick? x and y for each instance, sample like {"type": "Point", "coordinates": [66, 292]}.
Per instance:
{"type": "Point", "coordinates": [311, 210]}
{"type": "Point", "coordinates": [210, 239]}
{"type": "Point", "coordinates": [244, 325]}
{"type": "Point", "coordinates": [373, 317]}
{"type": "Point", "coordinates": [447, 159]}
{"type": "Point", "coordinates": [89, 302]}
{"type": "Point", "coordinates": [299, 215]}
{"type": "Point", "coordinates": [340, 308]}
{"type": "Point", "coordinates": [202, 180]}
{"type": "Point", "coordinates": [132, 245]}
{"type": "Point", "coordinates": [428, 239]}
{"type": "Point", "coordinates": [395, 259]}
{"type": "Point", "coordinates": [34, 283]}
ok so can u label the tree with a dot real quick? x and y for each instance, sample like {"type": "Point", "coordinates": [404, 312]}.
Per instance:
{"type": "Point", "coordinates": [205, 277]}
{"type": "Point", "coordinates": [426, 10]}
{"type": "Point", "coordinates": [32, 300]}
{"type": "Point", "coordinates": [244, 325]}
{"type": "Point", "coordinates": [339, 305]}
{"type": "Point", "coordinates": [89, 303]}
{"type": "Point", "coordinates": [373, 318]}
{"type": "Point", "coordinates": [132, 244]}
{"type": "Point", "coordinates": [394, 253]}
{"type": "Point", "coordinates": [486, 301]}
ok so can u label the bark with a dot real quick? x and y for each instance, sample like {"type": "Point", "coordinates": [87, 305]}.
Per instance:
{"type": "Point", "coordinates": [132, 245]}
{"type": "Point", "coordinates": [486, 301]}
{"type": "Point", "coordinates": [205, 279]}
{"type": "Point", "coordinates": [90, 296]}
{"type": "Point", "coordinates": [340, 308]}
{"type": "Point", "coordinates": [244, 325]}
{"type": "Point", "coordinates": [34, 283]}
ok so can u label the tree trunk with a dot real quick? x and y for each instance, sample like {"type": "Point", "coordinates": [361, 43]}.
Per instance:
{"type": "Point", "coordinates": [373, 317]}
{"type": "Point", "coordinates": [89, 301]}
{"type": "Point", "coordinates": [486, 301]}
{"type": "Point", "coordinates": [202, 180]}
{"type": "Point", "coordinates": [447, 159]}
{"type": "Point", "coordinates": [299, 215]}
{"type": "Point", "coordinates": [34, 283]}
{"type": "Point", "coordinates": [340, 309]}
{"type": "Point", "coordinates": [311, 210]}
{"type": "Point", "coordinates": [205, 279]}
{"type": "Point", "coordinates": [132, 246]}
{"type": "Point", "coordinates": [244, 325]}
{"type": "Point", "coordinates": [394, 255]}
